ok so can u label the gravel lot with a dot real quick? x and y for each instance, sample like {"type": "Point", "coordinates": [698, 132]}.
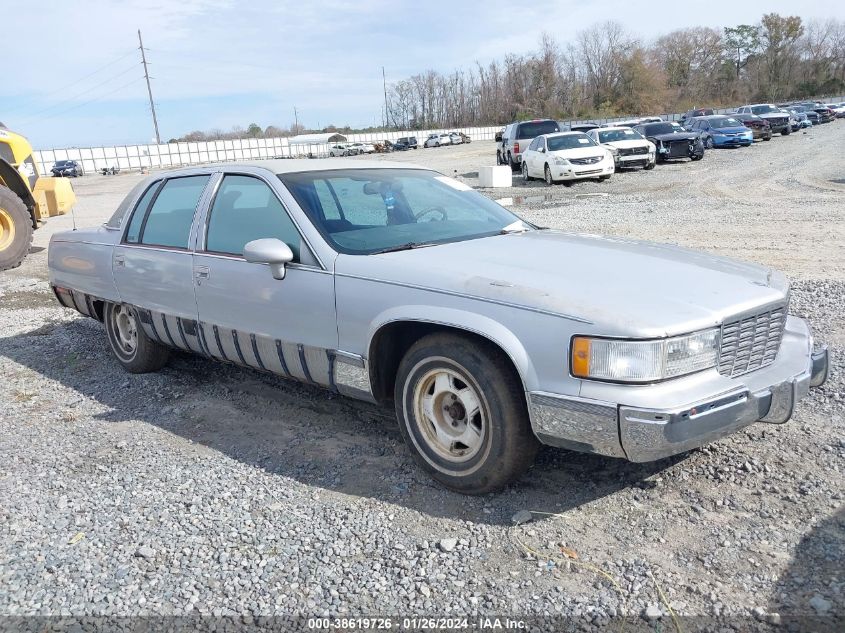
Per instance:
{"type": "Point", "coordinates": [212, 490]}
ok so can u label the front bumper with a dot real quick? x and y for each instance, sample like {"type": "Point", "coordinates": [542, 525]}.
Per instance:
{"type": "Point", "coordinates": [641, 428]}
{"type": "Point", "coordinates": [732, 141]}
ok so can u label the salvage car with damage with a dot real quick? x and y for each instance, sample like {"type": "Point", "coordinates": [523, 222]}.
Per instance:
{"type": "Point", "coordinates": [672, 141]}
{"type": "Point", "coordinates": [486, 334]}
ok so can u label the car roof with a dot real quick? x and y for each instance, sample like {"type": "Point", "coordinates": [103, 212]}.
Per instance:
{"type": "Point", "coordinates": [717, 116]}
{"type": "Point", "coordinates": [617, 127]}
{"type": "Point", "coordinates": [551, 134]}
{"type": "Point", "coordinates": [288, 166]}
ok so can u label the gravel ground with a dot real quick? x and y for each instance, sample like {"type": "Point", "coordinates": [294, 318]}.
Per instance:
{"type": "Point", "coordinates": [212, 490]}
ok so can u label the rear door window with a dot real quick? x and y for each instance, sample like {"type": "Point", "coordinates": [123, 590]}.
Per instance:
{"type": "Point", "coordinates": [133, 234]}
{"type": "Point", "coordinates": [169, 219]}
{"type": "Point", "coordinates": [532, 129]}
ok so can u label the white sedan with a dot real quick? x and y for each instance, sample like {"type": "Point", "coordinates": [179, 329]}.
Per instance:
{"type": "Point", "coordinates": [566, 156]}
{"type": "Point", "coordinates": [629, 147]}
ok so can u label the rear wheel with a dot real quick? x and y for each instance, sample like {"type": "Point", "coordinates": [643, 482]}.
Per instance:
{"type": "Point", "coordinates": [137, 352]}
{"type": "Point", "coordinates": [15, 229]}
{"type": "Point", "coordinates": [462, 412]}
{"type": "Point", "coordinates": [514, 165]}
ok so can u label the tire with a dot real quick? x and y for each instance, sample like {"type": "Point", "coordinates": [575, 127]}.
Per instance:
{"type": "Point", "coordinates": [603, 178]}
{"type": "Point", "coordinates": [499, 160]}
{"type": "Point", "coordinates": [15, 229]}
{"type": "Point", "coordinates": [786, 132]}
{"type": "Point", "coordinates": [767, 138]}
{"type": "Point", "coordinates": [446, 374]}
{"type": "Point", "coordinates": [137, 352]}
{"type": "Point", "coordinates": [650, 165]}
{"type": "Point", "coordinates": [547, 175]}
{"type": "Point", "coordinates": [708, 144]}
{"type": "Point", "coordinates": [513, 164]}
{"type": "Point", "coordinates": [525, 177]}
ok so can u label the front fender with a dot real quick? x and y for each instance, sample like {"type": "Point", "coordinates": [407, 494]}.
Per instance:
{"type": "Point", "coordinates": [467, 321]}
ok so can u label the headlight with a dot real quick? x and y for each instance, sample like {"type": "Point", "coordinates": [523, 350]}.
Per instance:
{"type": "Point", "coordinates": [644, 361]}
{"type": "Point", "coordinates": [561, 161]}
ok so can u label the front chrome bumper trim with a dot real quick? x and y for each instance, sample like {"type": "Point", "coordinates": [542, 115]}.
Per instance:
{"type": "Point", "coordinates": [643, 434]}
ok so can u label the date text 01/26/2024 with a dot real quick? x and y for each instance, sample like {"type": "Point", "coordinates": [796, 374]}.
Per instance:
{"type": "Point", "coordinates": [415, 624]}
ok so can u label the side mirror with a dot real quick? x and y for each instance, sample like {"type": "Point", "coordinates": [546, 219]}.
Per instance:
{"type": "Point", "coordinates": [270, 251]}
{"type": "Point", "coordinates": [542, 150]}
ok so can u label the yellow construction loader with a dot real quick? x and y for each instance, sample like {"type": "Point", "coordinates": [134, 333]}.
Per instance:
{"type": "Point", "coordinates": [26, 198]}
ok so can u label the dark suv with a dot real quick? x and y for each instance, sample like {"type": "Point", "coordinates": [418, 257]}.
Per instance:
{"type": "Point", "coordinates": [409, 141]}
{"type": "Point", "coordinates": [689, 114]}
{"type": "Point", "coordinates": [67, 168]}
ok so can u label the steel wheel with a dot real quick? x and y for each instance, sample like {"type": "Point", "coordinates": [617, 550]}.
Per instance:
{"type": "Point", "coordinates": [450, 415]}
{"type": "Point", "coordinates": [7, 229]}
{"type": "Point", "coordinates": [126, 329]}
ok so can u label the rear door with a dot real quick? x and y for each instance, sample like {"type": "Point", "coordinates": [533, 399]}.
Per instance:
{"type": "Point", "coordinates": [287, 326]}
{"type": "Point", "coordinates": [153, 263]}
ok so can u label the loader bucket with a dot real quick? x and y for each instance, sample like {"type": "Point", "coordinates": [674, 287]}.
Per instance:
{"type": "Point", "coordinates": [57, 196]}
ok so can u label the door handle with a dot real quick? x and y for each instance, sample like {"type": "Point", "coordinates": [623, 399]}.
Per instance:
{"type": "Point", "coordinates": [119, 260]}
{"type": "Point", "coordinates": [201, 272]}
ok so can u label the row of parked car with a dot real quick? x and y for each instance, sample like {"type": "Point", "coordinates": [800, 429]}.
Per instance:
{"type": "Point", "coordinates": [547, 149]}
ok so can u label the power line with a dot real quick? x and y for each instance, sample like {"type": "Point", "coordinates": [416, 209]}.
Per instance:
{"type": "Point", "coordinates": [78, 81]}
{"type": "Point", "coordinates": [80, 94]}
{"type": "Point", "coordinates": [84, 103]}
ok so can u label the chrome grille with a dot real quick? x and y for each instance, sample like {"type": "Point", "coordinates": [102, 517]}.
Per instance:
{"type": "Point", "coordinates": [590, 160]}
{"type": "Point", "coordinates": [633, 151]}
{"type": "Point", "coordinates": [751, 342]}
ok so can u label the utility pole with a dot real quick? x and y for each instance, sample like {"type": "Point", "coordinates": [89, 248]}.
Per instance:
{"type": "Point", "coordinates": [149, 89]}
{"type": "Point", "coordinates": [296, 119]}
{"type": "Point", "coordinates": [384, 83]}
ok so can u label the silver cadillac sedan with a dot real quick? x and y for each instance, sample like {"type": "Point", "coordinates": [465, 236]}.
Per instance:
{"type": "Point", "coordinates": [395, 284]}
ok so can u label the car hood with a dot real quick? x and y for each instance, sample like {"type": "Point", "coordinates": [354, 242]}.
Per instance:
{"type": "Point", "coordinates": [621, 286]}
{"type": "Point", "coordinates": [675, 136]}
{"type": "Point", "coordinates": [627, 144]}
{"type": "Point", "coordinates": [580, 152]}
{"type": "Point", "coordinates": [730, 130]}
{"type": "Point", "coordinates": [773, 115]}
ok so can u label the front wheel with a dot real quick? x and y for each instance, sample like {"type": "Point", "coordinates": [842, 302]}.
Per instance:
{"type": "Point", "coordinates": [547, 175]}
{"type": "Point", "coordinates": [708, 144]}
{"type": "Point", "coordinates": [137, 352]}
{"type": "Point", "coordinates": [525, 177]}
{"type": "Point", "coordinates": [462, 412]}
{"type": "Point", "coordinates": [650, 165]}
{"type": "Point", "coordinates": [603, 178]}
{"type": "Point", "coordinates": [786, 132]}
{"type": "Point", "coordinates": [15, 229]}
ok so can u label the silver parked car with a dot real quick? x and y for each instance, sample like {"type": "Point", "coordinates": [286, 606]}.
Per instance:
{"type": "Point", "coordinates": [398, 285]}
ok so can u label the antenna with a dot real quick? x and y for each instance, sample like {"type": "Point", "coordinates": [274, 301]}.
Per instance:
{"type": "Point", "coordinates": [73, 216]}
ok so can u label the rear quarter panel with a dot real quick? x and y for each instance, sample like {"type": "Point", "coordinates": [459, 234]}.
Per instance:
{"type": "Point", "coordinates": [82, 260]}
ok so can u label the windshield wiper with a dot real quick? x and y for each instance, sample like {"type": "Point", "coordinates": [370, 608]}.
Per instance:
{"type": "Point", "coordinates": [402, 247]}
{"type": "Point", "coordinates": [516, 227]}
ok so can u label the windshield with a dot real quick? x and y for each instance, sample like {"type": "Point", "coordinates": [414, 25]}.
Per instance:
{"type": "Point", "coordinates": [725, 122]}
{"type": "Point", "coordinates": [62, 163]}
{"type": "Point", "coordinates": [668, 127]}
{"type": "Point", "coordinates": [619, 135]}
{"type": "Point", "coordinates": [362, 211]}
{"type": "Point", "coordinates": [533, 129]}
{"type": "Point", "coordinates": [570, 141]}
{"type": "Point", "coordinates": [763, 109]}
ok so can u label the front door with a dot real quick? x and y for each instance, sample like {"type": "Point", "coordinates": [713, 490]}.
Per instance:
{"type": "Point", "coordinates": [286, 326]}
{"type": "Point", "coordinates": [152, 265]}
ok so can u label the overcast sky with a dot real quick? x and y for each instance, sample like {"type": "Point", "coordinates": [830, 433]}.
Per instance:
{"type": "Point", "coordinates": [77, 78]}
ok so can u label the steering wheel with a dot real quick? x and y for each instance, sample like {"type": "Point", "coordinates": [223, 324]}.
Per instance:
{"type": "Point", "coordinates": [438, 209]}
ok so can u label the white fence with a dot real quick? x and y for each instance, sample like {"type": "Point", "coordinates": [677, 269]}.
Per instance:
{"type": "Point", "coordinates": [136, 157]}
{"type": "Point", "coordinates": [94, 159]}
